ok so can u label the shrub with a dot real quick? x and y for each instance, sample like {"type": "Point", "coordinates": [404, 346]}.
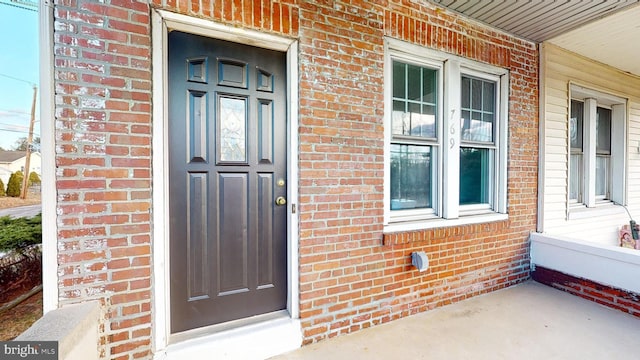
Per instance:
{"type": "Point", "coordinates": [17, 234]}
{"type": "Point", "coordinates": [2, 192]}
{"type": "Point", "coordinates": [34, 179]}
{"type": "Point", "coordinates": [20, 272]}
{"type": "Point", "coordinates": [15, 184]}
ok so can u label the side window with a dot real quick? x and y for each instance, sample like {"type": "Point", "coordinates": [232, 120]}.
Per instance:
{"type": "Point", "coordinates": [594, 119]}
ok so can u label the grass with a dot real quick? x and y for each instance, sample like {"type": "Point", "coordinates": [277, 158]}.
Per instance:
{"type": "Point", "coordinates": [15, 321]}
{"type": "Point", "coordinates": [11, 202]}
{"type": "Point", "coordinates": [18, 319]}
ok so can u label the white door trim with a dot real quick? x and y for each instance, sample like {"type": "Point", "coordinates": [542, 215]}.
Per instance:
{"type": "Point", "coordinates": [283, 334]}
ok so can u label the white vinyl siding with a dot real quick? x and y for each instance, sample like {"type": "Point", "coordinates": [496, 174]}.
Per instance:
{"type": "Point", "coordinates": [562, 70]}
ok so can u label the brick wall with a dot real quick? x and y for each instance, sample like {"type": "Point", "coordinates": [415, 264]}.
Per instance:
{"type": "Point", "coordinates": [103, 158]}
{"type": "Point", "coordinates": [618, 299]}
{"type": "Point", "coordinates": [351, 275]}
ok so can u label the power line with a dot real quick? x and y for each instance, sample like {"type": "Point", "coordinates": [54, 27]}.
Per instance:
{"type": "Point", "coordinates": [14, 111]}
{"type": "Point", "coordinates": [14, 116]}
{"type": "Point", "coordinates": [11, 127]}
{"type": "Point", "coordinates": [17, 126]}
{"type": "Point", "coordinates": [17, 79]}
{"type": "Point", "coordinates": [15, 131]}
{"type": "Point", "coordinates": [21, 5]}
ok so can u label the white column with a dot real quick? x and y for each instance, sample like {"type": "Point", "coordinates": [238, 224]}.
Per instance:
{"type": "Point", "coordinates": [451, 141]}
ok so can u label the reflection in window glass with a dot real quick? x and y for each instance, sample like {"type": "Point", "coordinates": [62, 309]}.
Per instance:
{"type": "Point", "coordinates": [575, 161]}
{"type": "Point", "coordinates": [478, 115]}
{"type": "Point", "coordinates": [475, 181]}
{"type": "Point", "coordinates": [575, 179]}
{"type": "Point", "coordinates": [411, 174]}
{"type": "Point", "coordinates": [603, 151]}
{"type": "Point", "coordinates": [414, 101]}
{"type": "Point", "coordinates": [603, 131]}
{"type": "Point", "coordinates": [602, 176]}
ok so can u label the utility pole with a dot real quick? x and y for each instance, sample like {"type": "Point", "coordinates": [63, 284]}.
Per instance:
{"type": "Point", "coordinates": [27, 162]}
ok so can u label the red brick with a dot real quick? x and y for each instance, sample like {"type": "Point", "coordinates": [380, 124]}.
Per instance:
{"type": "Point", "coordinates": [341, 151]}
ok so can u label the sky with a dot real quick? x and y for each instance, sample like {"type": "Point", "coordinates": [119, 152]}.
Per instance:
{"type": "Point", "coordinates": [18, 72]}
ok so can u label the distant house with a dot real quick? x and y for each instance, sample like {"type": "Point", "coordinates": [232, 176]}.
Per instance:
{"type": "Point", "coordinates": [12, 161]}
{"type": "Point", "coordinates": [4, 175]}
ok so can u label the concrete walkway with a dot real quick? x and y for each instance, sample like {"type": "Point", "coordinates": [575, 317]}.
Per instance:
{"type": "Point", "coordinates": [528, 321]}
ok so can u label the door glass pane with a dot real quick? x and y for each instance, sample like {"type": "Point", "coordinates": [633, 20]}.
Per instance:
{"type": "Point", "coordinates": [602, 176]}
{"type": "Point", "coordinates": [603, 131]}
{"type": "Point", "coordinates": [575, 126]}
{"type": "Point", "coordinates": [475, 176]}
{"type": "Point", "coordinates": [575, 178]}
{"type": "Point", "coordinates": [232, 120]}
{"type": "Point", "coordinates": [411, 177]}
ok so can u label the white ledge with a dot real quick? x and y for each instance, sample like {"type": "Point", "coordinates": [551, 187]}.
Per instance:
{"type": "Point", "coordinates": [608, 265]}
{"type": "Point", "coordinates": [439, 222]}
{"type": "Point", "coordinates": [74, 327]}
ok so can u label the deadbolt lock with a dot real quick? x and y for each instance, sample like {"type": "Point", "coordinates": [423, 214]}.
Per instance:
{"type": "Point", "coordinates": [281, 201]}
{"type": "Point", "coordinates": [280, 182]}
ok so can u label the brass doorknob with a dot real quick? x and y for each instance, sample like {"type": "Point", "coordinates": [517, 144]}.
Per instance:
{"type": "Point", "coordinates": [281, 201]}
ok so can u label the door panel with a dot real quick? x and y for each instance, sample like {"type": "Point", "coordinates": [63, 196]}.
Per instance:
{"type": "Point", "coordinates": [227, 165]}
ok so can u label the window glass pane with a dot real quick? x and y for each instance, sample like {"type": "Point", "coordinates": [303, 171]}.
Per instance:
{"type": "Point", "coordinates": [429, 80]}
{"type": "Point", "coordinates": [575, 127]}
{"type": "Point", "coordinates": [476, 94]}
{"type": "Point", "coordinates": [603, 131]}
{"type": "Point", "coordinates": [465, 124]}
{"type": "Point", "coordinates": [399, 118]}
{"type": "Point", "coordinates": [475, 176]}
{"type": "Point", "coordinates": [414, 81]}
{"type": "Point", "coordinates": [602, 176]}
{"type": "Point", "coordinates": [575, 178]}
{"type": "Point", "coordinates": [399, 77]}
{"type": "Point", "coordinates": [477, 121]}
{"type": "Point", "coordinates": [414, 103]}
{"type": "Point", "coordinates": [423, 125]}
{"type": "Point", "coordinates": [411, 177]}
{"type": "Point", "coordinates": [466, 93]}
{"type": "Point", "coordinates": [428, 121]}
{"type": "Point", "coordinates": [488, 96]}
{"type": "Point", "coordinates": [414, 117]}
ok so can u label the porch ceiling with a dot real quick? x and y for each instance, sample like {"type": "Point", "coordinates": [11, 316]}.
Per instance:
{"type": "Point", "coordinates": [605, 30]}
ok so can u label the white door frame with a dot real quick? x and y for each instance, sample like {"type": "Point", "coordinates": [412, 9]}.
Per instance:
{"type": "Point", "coordinates": [162, 23]}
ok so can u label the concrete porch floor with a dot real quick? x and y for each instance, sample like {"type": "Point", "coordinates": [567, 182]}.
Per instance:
{"type": "Point", "coordinates": [528, 321]}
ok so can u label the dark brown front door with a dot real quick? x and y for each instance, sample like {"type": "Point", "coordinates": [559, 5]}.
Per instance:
{"type": "Point", "coordinates": [227, 171]}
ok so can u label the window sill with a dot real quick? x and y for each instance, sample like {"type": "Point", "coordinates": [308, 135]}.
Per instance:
{"type": "Point", "coordinates": [438, 223]}
{"type": "Point", "coordinates": [604, 208]}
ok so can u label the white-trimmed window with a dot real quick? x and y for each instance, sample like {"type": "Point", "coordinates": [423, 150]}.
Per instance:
{"type": "Point", "coordinates": [597, 142]}
{"type": "Point", "coordinates": [446, 139]}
